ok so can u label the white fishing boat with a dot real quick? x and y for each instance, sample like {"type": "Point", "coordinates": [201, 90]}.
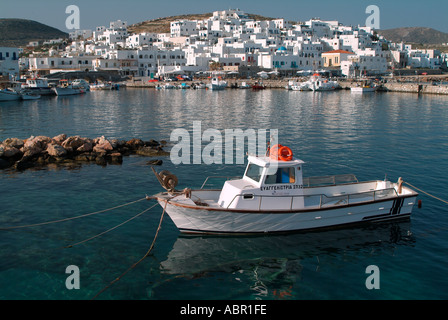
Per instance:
{"type": "Point", "coordinates": [365, 87]}
{"type": "Point", "coordinates": [67, 89]}
{"type": "Point", "coordinates": [273, 196]}
{"type": "Point", "coordinates": [39, 86]}
{"type": "Point", "coordinates": [301, 86]}
{"type": "Point", "coordinates": [317, 83]}
{"type": "Point", "coordinates": [217, 84]}
{"type": "Point", "coordinates": [9, 95]}
{"type": "Point", "coordinates": [81, 83]}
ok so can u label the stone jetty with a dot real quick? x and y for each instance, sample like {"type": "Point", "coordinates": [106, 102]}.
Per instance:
{"type": "Point", "coordinates": [61, 149]}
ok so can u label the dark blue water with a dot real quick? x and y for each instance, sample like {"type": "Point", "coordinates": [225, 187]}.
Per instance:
{"type": "Point", "coordinates": [370, 135]}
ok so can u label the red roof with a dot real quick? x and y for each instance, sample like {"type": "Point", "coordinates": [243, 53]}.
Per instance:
{"type": "Point", "coordinates": [339, 51]}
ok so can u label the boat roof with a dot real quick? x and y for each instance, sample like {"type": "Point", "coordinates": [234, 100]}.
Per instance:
{"type": "Point", "coordinates": [265, 161]}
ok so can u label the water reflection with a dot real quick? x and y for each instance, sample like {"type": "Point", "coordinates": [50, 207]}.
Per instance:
{"type": "Point", "coordinates": [269, 266]}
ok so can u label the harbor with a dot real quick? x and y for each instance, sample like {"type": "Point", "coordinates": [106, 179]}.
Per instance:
{"type": "Point", "coordinates": [374, 136]}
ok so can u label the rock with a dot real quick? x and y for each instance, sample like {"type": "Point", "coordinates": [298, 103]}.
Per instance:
{"type": "Point", "coordinates": [104, 144]}
{"type": "Point", "coordinates": [116, 158]}
{"type": "Point", "coordinates": [55, 150]}
{"type": "Point", "coordinates": [152, 143]}
{"type": "Point", "coordinates": [14, 142]}
{"type": "Point", "coordinates": [10, 152]}
{"type": "Point", "coordinates": [60, 138]}
{"type": "Point", "coordinates": [73, 142]}
{"type": "Point", "coordinates": [151, 152]}
{"type": "Point", "coordinates": [29, 152]}
{"type": "Point", "coordinates": [86, 147]}
{"type": "Point", "coordinates": [37, 142]}
{"type": "Point", "coordinates": [135, 143]}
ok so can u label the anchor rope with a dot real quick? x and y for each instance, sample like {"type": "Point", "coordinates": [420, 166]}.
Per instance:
{"type": "Point", "coordinates": [425, 192]}
{"type": "Point", "coordinates": [111, 229]}
{"type": "Point", "coordinates": [73, 218]}
{"type": "Point", "coordinates": [142, 258]}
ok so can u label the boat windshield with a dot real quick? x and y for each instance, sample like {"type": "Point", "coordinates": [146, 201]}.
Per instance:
{"type": "Point", "coordinates": [254, 172]}
{"type": "Point", "coordinates": [280, 175]}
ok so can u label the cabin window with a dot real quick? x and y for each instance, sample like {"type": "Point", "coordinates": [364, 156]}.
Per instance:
{"type": "Point", "coordinates": [281, 175]}
{"type": "Point", "coordinates": [254, 172]}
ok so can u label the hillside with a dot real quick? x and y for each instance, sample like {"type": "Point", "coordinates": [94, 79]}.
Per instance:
{"type": "Point", "coordinates": [162, 25]}
{"type": "Point", "coordinates": [19, 32]}
{"type": "Point", "coordinates": [415, 35]}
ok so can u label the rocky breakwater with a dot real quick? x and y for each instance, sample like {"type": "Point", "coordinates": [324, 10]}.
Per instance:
{"type": "Point", "coordinates": [41, 150]}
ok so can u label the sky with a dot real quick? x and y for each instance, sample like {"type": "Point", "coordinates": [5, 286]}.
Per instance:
{"type": "Point", "coordinates": [93, 13]}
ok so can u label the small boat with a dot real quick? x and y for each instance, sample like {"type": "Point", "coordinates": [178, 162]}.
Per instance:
{"type": "Point", "coordinates": [217, 84]}
{"type": "Point", "coordinates": [258, 86]}
{"type": "Point", "coordinates": [101, 86]}
{"type": "Point", "coordinates": [81, 83]}
{"type": "Point", "coordinates": [244, 85]}
{"type": "Point", "coordinates": [67, 89]}
{"type": "Point", "coordinates": [199, 85]}
{"type": "Point", "coordinates": [301, 86]}
{"type": "Point", "coordinates": [365, 87]}
{"type": "Point", "coordinates": [9, 95]}
{"type": "Point", "coordinates": [273, 196]}
{"type": "Point", "coordinates": [39, 86]}
{"type": "Point", "coordinates": [317, 83]}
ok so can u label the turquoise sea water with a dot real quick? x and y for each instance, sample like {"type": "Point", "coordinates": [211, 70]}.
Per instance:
{"type": "Point", "coordinates": [371, 135]}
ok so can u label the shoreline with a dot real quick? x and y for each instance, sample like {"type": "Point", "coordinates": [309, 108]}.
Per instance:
{"type": "Point", "coordinates": [421, 87]}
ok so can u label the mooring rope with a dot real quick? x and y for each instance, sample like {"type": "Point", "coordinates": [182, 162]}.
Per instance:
{"type": "Point", "coordinates": [113, 228]}
{"type": "Point", "coordinates": [425, 192]}
{"type": "Point", "coordinates": [142, 258]}
{"type": "Point", "coordinates": [73, 218]}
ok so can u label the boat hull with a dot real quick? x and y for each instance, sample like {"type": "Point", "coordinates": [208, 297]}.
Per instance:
{"type": "Point", "coordinates": [211, 220]}
{"type": "Point", "coordinates": [68, 91]}
{"type": "Point", "coordinates": [9, 96]}
{"type": "Point", "coordinates": [362, 90]}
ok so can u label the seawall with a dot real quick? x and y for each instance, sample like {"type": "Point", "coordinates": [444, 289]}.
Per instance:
{"type": "Point", "coordinates": [409, 87]}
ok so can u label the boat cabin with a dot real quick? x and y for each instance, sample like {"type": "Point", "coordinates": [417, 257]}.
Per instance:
{"type": "Point", "coordinates": [267, 183]}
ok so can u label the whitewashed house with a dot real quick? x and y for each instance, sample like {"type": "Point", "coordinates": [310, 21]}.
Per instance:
{"type": "Point", "coordinates": [9, 62]}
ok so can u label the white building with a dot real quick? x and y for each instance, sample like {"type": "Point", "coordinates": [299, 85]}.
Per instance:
{"type": "Point", "coordinates": [9, 62]}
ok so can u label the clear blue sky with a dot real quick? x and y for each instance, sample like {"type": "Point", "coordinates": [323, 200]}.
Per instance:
{"type": "Point", "coordinates": [393, 13]}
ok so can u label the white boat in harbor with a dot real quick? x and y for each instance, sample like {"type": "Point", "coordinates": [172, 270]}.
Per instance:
{"type": "Point", "coordinates": [67, 89]}
{"type": "Point", "coordinates": [9, 95]}
{"type": "Point", "coordinates": [217, 84]}
{"type": "Point", "coordinates": [317, 83]}
{"type": "Point", "coordinates": [365, 87]}
{"type": "Point", "coordinates": [273, 196]}
{"type": "Point", "coordinates": [39, 86]}
{"type": "Point", "coordinates": [81, 83]}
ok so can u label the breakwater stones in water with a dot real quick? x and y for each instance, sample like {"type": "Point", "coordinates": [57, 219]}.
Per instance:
{"type": "Point", "coordinates": [41, 151]}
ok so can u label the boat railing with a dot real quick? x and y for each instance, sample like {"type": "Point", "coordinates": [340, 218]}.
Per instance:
{"type": "Point", "coordinates": [219, 177]}
{"type": "Point", "coordinates": [316, 201]}
{"type": "Point", "coordinates": [329, 180]}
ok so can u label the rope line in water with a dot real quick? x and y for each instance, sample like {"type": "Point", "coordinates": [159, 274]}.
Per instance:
{"type": "Point", "coordinates": [142, 258]}
{"type": "Point", "coordinates": [113, 228]}
{"type": "Point", "coordinates": [72, 218]}
{"type": "Point", "coordinates": [425, 192]}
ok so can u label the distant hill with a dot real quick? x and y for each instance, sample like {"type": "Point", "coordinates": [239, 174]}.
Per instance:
{"type": "Point", "coordinates": [19, 32]}
{"type": "Point", "coordinates": [415, 35]}
{"type": "Point", "coordinates": [162, 25]}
